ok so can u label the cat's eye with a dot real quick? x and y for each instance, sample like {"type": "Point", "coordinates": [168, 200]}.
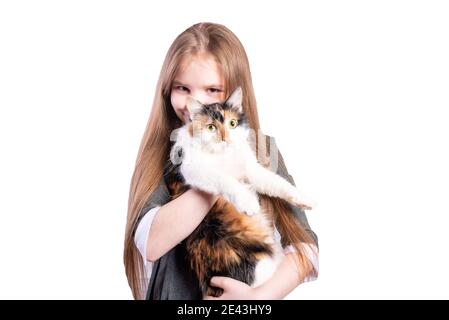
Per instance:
{"type": "Point", "coordinates": [211, 127]}
{"type": "Point", "coordinates": [233, 123]}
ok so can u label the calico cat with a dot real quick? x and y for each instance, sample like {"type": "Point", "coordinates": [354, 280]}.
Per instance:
{"type": "Point", "coordinates": [212, 153]}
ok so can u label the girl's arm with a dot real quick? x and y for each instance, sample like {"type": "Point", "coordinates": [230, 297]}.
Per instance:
{"type": "Point", "coordinates": [176, 220]}
{"type": "Point", "coordinates": [283, 281]}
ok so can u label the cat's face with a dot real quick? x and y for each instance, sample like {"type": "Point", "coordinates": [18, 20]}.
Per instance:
{"type": "Point", "coordinates": [217, 126]}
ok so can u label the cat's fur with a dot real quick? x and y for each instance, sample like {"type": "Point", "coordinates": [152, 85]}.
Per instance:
{"type": "Point", "coordinates": [220, 160]}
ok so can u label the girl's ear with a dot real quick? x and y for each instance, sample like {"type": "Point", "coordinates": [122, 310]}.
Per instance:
{"type": "Point", "coordinates": [235, 100]}
{"type": "Point", "coordinates": [193, 105]}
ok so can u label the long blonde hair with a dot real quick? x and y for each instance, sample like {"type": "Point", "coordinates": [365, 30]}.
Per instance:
{"type": "Point", "coordinates": [230, 55]}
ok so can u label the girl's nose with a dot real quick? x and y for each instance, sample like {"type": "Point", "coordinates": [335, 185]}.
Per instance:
{"type": "Point", "coordinates": [203, 98]}
{"type": "Point", "coordinates": [200, 98]}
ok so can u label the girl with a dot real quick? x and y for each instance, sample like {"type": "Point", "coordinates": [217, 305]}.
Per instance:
{"type": "Point", "coordinates": [206, 61]}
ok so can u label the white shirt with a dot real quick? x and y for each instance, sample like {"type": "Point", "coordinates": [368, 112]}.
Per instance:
{"type": "Point", "coordinates": [141, 241]}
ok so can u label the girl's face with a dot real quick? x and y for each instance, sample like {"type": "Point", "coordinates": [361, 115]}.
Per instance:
{"type": "Point", "coordinates": [200, 77]}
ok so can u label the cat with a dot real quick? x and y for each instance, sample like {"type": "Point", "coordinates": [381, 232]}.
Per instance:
{"type": "Point", "coordinates": [212, 153]}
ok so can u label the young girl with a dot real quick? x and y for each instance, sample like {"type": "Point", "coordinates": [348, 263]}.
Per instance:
{"type": "Point", "coordinates": [206, 61]}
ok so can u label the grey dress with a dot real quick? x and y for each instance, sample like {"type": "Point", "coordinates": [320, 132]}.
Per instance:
{"type": "Point", "coordinates": [171, 278]}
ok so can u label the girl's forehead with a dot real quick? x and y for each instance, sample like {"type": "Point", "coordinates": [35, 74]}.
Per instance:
{"type": "Point", "coordinates": [202, 70]}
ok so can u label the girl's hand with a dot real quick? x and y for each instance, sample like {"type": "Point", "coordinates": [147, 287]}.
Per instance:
{"type": "Point", "coordinates": [234, 290]}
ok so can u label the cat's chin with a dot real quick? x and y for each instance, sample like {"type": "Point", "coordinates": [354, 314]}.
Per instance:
{"type": "Point", "coordinates": [216, 147]}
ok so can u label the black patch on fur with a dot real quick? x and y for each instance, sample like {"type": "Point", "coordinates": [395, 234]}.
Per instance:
{"type": "Point", "coordinates": [219, 235]}
{"type": "Point", "coordinates": [243, 119]}
{"type": "Point", "coordinates": [214, 111]}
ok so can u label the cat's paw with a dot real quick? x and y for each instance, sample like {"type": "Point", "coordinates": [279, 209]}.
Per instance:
{"type": "Point", "coordinates": [299, 200]}
{"type": "Point", "coordinates": [246, 202]}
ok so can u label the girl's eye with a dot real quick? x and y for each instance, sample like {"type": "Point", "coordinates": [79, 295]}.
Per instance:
{"type": "Point", "coordinates": [233, 123]}
{"type": "Point", "coordinates": [214, 90]}
{"type": "Point", "coordinates": [211, 127]}
{"type": "Point", "coordinates": [182, 88]}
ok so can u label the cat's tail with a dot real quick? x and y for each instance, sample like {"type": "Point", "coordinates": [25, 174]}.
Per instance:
{"type": "Point", "coordinates": [228, 244]}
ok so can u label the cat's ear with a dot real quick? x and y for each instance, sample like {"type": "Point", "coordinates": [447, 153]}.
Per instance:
{"type": "Point", "coordinates": [235, 100]}
{"type": "Point", "coordinates": [193, 105]}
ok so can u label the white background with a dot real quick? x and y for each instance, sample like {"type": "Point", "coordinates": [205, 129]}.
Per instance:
{"type": "Point", "coordinates": [355, 92]}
